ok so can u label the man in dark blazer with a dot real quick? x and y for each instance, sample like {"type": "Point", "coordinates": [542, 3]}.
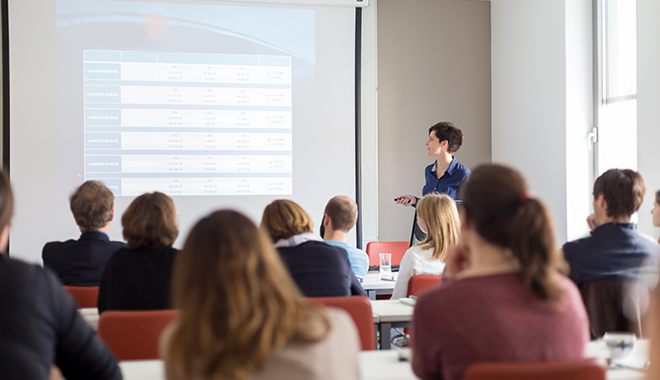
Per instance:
{"type": "Point", "coordinates": [81, 262]}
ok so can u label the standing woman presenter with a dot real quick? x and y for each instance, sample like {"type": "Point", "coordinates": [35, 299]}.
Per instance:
{"type": "Point", "coordinates": [445, 175]}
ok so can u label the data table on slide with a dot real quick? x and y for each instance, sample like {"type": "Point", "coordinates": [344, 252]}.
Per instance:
{"type": "Point", "coordinates": [188, 124]}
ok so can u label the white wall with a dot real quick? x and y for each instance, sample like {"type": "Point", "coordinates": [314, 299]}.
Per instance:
{"type": "Point", "coordinates": [541, 94]}
{"type": "Point", "coordinates": [648, 106]}
{"type": "Point", "coordinates": [433, 65]}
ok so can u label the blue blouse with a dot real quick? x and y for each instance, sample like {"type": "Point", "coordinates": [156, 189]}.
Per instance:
{"type": "Point", "coordinates": [449, 183]}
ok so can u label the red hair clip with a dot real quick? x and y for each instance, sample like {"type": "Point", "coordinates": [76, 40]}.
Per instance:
{"type": "Point", "coordinates": [524, 198]}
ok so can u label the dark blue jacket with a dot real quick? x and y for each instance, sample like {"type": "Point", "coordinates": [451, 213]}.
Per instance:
{"type": "Point", "coordinates": [40, 327]}
{"type": "Point", "coordinates": [613, 251]}
{"type": "Point", "coordinates": [321, 270]}
{"type": "Point", "coordinates": [80, 262]}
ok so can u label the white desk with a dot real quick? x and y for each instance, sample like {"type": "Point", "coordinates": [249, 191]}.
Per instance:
{"type": "Point", "coordinates": [374, 365]}
{"type": "Point", "coordinates": [388, 314]}
{"type": "Point", "coordinates": [142, 369]}
{"type": "Point", "coordinates": [384, 365]}
{"type": "Point", "coordinates": [374, 285]}
{"type": "Point", "coordinates": [637, 360]}
{"type": "Point", "coordinates": [91, 316]}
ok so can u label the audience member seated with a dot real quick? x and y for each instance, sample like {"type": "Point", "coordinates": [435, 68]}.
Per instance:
{"type": "Point", "coordinates": [138, 277]}
{"type": "Point", "coordinates": [39, 324]}
{"type": "Point", "coordinates": [615, 250]}
{"type": "Point", "coordinates": [81, 262]}
{"type": "Point", "coordinates": [437, 217]}
{"type": "Point", "coordinates": [242, 316]}
{"type": "Point", "coordinates": [340, 215]}
{"type": "Point", "coordinates": [319, 269]}
{"type": "Point", "coordinates": [501, 297]}
{"type": "Point", "coordinates": [656, 211]}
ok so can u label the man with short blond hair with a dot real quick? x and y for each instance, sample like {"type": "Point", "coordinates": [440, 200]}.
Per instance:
{"type": "Point", "coordinates": [81, 262]}
{"type": "Point", "coordinates": [340, 215]}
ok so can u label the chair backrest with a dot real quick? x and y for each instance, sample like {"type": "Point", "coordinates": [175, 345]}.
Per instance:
{"type": "Point", "coordinates": [85, 296]}
{"type": "Point", "coordinates": [420, 283]}
{"type": "Point", "coordinates": [360, 310]}
{"type": "Point", "coordinates": [604, 301]}
{"type": "Point", "coordinates": [134, 335]}
{"type": "Point", "coordinates": [578, 369]}
{"type": "Point", "coordinates": [396, 248]}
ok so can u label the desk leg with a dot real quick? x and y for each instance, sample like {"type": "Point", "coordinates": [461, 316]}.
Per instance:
{"type": "Point", "coordinates": [385, 343]}
{"type": "Point", "coordinates": [371, 294]}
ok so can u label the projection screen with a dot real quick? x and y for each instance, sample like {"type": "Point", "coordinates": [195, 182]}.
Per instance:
{"type": "Point", "coordinates": [217, 104]}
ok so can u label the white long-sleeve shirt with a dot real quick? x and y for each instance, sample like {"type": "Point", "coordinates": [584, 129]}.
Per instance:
{"type": "Point", "coordinates": [415, 261]}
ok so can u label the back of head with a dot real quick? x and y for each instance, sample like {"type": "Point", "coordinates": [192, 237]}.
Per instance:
{"type": "Point", "coordinates": [283, 219]}
{"type": "Point", "coordinates": [343, 213]}
{"type": "Point", "coordinates": [150, 221]}
{"type": "Point", "coordinates": [439, 213]}
{"type": "Point", "coordinates": [446, 130]}
{"type": "Point", "coordinates": [623, 190]}
{"type": "Point", "coordinates": [238, 304]}
{"type": "Point", "coordinates": [92, 204]}
{"type": "Point", "coordinates": [497, 204]}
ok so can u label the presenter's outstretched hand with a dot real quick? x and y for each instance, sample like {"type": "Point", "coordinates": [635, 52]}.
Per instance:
{"type": "Point", "coordinates": [406, 200]}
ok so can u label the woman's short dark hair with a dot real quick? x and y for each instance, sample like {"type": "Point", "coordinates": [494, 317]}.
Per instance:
{"type": "Point", "coordinates": [496, 201]}
{"type": "Point", "coordinates": [623, 190]}
{"type": "Point", "coordinates": [6, 201]}
{"type": "Point", "coordinates": [150, 221]}
{"type": "Point", "coordinates": [446, 130]}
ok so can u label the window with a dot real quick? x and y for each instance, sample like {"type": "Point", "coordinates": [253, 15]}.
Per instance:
{"type": "Point", "coordinates": [616, 114]}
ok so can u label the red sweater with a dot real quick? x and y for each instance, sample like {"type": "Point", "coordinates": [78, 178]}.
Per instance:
{"type": "Point", "coordinates": [494, 318]}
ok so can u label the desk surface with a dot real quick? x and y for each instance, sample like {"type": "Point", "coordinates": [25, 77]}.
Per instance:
{"type": "Point", "coordinates": [91, 316]}
{"type": "Point", "coordinates": [373, 282]}
{"type": "Point", "coordinates": [389, 311]}
{"type": "Point", "coordinates": [374, 365]}
{"type": "Point", "coordinates": [385, 365]}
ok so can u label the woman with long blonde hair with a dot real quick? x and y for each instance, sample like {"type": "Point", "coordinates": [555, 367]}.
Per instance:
{"type": "Point", "coordinates": [437, 216]}
{"type": "Point", "coordinates": [242, 317]}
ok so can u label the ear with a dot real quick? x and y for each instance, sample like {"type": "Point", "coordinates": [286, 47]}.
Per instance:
{"type": "Point", "coordinates": [601, 202]}
{"type": "Point", "coordinates": [326, 220]}
{"type": "Point", "coordinates": [112, 215]}
{"type": "Point", "coordinates": [444, 144]}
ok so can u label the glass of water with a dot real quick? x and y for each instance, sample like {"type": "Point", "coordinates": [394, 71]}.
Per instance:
{"type": "Point", "coordinates": [386, 266]}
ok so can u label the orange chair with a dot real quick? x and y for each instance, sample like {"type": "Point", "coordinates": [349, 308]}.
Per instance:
{"type": "Point", "coordinates": [134, 335]}
{"type": "Point", "coordinates": [85, 296]}
{"type": "Point", "coordinates": [420, 283]}
{"type": "Point", "coordinates": [396, 248]}
{"type": "Point", "coordinates": [579, 369]}
{"type": "Point", "coordinates": [360, 310]}
{"type": "Point", "coordinates": [416, 286]}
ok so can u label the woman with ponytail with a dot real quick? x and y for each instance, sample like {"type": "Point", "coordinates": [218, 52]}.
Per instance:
{"type": "Point", "coordinates": [502, 297]}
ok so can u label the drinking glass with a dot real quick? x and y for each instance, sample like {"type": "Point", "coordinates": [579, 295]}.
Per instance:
{"type": "Point", "coordinates": [386, 266]}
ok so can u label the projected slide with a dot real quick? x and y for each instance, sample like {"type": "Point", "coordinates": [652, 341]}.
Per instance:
{"type": "Point", "coordinates": [187, 99]}
{"type": "Point", "coordinates": [188, 124]}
